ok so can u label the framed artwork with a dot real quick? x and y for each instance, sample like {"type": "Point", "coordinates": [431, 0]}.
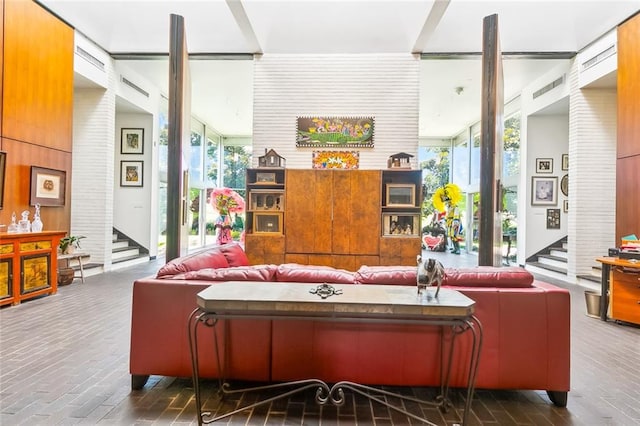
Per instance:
{"type": "Point", "coordinates": [337, 132]}
{"type": "Point", "coordinates": [3, 166]}
{"type": "Point", "coordinates": [553, 218]}
{"type": "Point", "coordinates": [565, 206]}
{"type": "Point", "coordinates": [336, 159]}
{"type": "Point", "coordinates": [565, 162]}
{"type": "Point", "coordinates": [131, 173]}
{"type": "Point", "coordinates": [132, 141]}
{"type": "Point", "coordinates": [544, 165]}
{"type": "Point", "coordinates": [400, 195]}
{"type": "Point", "coordinates": [544, 191]}
{"type": "Point", "coordinates": [564, 185]}
{"type": "Point", "coordinates": [47, 186]}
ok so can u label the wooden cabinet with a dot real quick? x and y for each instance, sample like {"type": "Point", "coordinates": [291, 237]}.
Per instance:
{"type": "Point", "coordinates": [625, 295]}
{"type": "Point", "coordinates": [335, 217]}
{"type": "Point", "coordinates": [28, 265]}
{"type": "Point", "coordinates": [333, 212]}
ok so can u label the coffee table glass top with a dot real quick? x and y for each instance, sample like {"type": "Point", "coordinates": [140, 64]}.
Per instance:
{"type": "Point", "coordinates": [366, 301]}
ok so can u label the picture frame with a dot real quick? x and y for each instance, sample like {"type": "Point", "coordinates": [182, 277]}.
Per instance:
{"type": "Point", "coordinates": [267, 223]}
{"type": "Point", "coordinates": [47, 187]}
{"type": "Point", "coordinates": [3, 166]}
{"type": "Point", "coordinates": [400, 225]}
{"type": "Point", "coordinates": [266, 200]}
{"type": "Point", "coordinates": [400, 195]}
{"type": "Point", "coordinates": [565, 162]}
{"type": "Point", "coordinates": [265, 177]}
{"type": "Point", "coordinates": [564, 185]}
{"type": "Point", "coordinates": [544, 165]}
{"type": "Point", "coordinates": [335, 132]}
{"type": "Point", "coordinates": [544, 191]}
{"type": "Point", "coordinates": [131, 173]}
{"type": "Point", "coordinates": [565, 206]}
{"type": "Point", "coordinates": [132, 141]}
{"type": "Point", "coordinates": [553, 218]}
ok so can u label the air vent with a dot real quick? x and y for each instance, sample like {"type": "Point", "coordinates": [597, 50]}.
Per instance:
{"type": "Point", "coordinates": [134, 86]}
{"type": "Point", "coordinates": [548, 87]}
{"type": "Point", "coordinates": [610, 51]}
{"type": "Point", "coordinates": [89, 58]}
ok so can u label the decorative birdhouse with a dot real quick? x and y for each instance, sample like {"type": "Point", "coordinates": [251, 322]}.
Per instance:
{"type": "Point", "coordinates": [401, 160]}
{"type": "Point", "coordinates": [271, 159]}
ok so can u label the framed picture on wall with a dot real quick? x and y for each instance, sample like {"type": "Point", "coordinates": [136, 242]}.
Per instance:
{"type": "Point", "coordinates": [47, 186]}
{"type": "Point", "coordinates": [544, 165]}
{"type": "Point", "coordinates": [565, 206]}
{"type": "Point", "coordinates": [131, 173]}
{"type": "Point", "coordinates": [544, 191]}
{"type": "Point", "coordinates": [132, 141]}
{"type": "Point", "coordinates": [553, 218]}
{"type": "Point", "coordinates": [565, 162]}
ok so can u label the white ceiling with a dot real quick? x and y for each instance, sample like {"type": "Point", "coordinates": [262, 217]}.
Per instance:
{"type": "Point", "coordinates": [222, 89]}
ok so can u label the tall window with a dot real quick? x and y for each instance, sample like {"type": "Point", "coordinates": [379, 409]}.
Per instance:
{"type": "Point", "coordinates": [435, 165]}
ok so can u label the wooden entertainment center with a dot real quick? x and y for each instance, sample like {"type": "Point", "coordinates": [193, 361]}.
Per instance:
{"type": "Point", "coordinates": [339, 218]}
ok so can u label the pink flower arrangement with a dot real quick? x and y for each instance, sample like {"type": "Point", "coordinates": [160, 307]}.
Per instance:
{"type": "Point", "coordinates": [226, 200]}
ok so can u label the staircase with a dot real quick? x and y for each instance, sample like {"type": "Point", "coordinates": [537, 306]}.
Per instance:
{"type": "Point", "coordinates": [124, 252]}
{"type": "Point", "coordinates": [552, 262]}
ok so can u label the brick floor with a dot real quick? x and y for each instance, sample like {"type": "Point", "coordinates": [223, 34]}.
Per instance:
{"type": "Point", "coordinates": [64, 360]}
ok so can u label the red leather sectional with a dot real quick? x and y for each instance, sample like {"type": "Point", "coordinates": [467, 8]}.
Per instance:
{"type": "Point", "coordinates": [526, 327]}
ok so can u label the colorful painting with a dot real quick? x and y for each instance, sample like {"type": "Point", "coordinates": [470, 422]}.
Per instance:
{"type": "Point", "coordinates": [336, 159]}
{"type": "Point", "coordinates": [348, 132]}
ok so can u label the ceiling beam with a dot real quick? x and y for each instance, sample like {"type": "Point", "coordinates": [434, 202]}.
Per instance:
{"type": "Point", "coordinates": [239, 14]}
{"type": "Point", "coordinates": [430, 24]}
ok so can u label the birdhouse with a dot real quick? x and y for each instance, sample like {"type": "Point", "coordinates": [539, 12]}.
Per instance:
{"type": "Point", "coordinates": [271, 159]}
{"type": "Point", "coordinates": [401, 160]}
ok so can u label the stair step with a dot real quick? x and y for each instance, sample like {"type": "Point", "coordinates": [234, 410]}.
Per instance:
{"type": "Point", "coordinates": [116, 244]}
{"type": "Point", "coordinates": [548, 267]}
{"type": "Point", "coordinates": [589, 277]}
{"type": "Point", "coordinates": [558, 252]}
{"type": "Point", "coordinates": [126, 252]}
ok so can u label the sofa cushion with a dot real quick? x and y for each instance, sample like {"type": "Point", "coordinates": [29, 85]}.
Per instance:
{"type": "Point", "coordinates": [394, 275]}
{"type": "Point", "coordinates": [235, 254]}
{"type": "Point", "coordinates": [488, 276]}
{"type": "Point", "coordinates": [211, 258]}
{"type": "Point", "coordinates": [293, 272]}
{"type": "Point", "coordinates": [232, 273]}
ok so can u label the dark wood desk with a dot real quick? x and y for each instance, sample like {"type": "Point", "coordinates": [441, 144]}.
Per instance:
{"type": "Point", "coordinates": [362, 303]}
{"type": "Point", "coordinates": [607, 263]}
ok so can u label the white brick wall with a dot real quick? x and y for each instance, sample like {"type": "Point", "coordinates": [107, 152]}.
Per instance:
{"type": "Point", "coordinates": [592, 174]}
{"type": "Point", "coordinates": [93, 171]}
{"type": "Point", "coordinates": [384, 86]}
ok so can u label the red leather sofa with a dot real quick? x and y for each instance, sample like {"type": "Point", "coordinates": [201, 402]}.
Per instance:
{"type": "Point", "coordinates": [526, 327]}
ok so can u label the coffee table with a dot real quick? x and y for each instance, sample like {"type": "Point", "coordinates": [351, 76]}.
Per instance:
{"type": "Point", "coordinates": [361, 303]}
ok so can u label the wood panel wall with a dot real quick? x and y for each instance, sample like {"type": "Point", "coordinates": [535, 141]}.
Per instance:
{"type": "Point", "coordinates": [628, 154]}
{"type": "Point", "coordinates": [37, 105]}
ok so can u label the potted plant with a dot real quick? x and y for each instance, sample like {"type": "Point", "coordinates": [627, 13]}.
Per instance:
{"type": "Point", "coordinates": [69, 244]}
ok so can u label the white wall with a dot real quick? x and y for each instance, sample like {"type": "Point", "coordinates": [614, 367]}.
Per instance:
{"type": "Point", "coordinates": [547, 137]}
{"type": "Point", "coordinates": [383, 86]}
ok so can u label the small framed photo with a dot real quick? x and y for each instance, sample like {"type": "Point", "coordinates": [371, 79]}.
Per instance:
{"type": "Point", "coordinates": [132, 141]}
{"type": "Point", "coordinates": [565, 162]}
{"type": "Point", "coordinates": [544, 191]}
{"type": "Point", "coordinates": [400, 195]}
{"type": "Point", "coordinates": [553, 218]}
{"type": "Point", "coordinates": [267, 223]}
{"type": "Point", "coordinates": [565, 206]}
{"type": "Point", "coordinates": [47, 186]}
{"type": "Point", "coordinates": [564, 185]}
{"type": "Point", "coordinates": [544, 165]}
{"type": "Point", "coordinates": [262, 177]}
{"type": "Point", "coordinates": [131, 173]}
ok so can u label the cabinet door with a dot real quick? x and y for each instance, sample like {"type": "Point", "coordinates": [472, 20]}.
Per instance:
{"type": "Point", "coordinates": [309, 206]}
{"type": "Point", "coordinates": [356, 212]}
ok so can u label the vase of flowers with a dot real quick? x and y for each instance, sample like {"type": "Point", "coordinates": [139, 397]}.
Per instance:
{"type": "Point", "coordinates": [225, 201]}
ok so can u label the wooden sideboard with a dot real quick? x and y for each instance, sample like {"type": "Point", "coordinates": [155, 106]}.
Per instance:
{"type": "Point", "coordinates": [28, 265]}
{"type": "Point", "coordinates": [621, 281]}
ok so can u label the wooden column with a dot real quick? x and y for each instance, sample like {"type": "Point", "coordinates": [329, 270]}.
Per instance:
{"type": "Point", "coordinates": [491, 129]}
